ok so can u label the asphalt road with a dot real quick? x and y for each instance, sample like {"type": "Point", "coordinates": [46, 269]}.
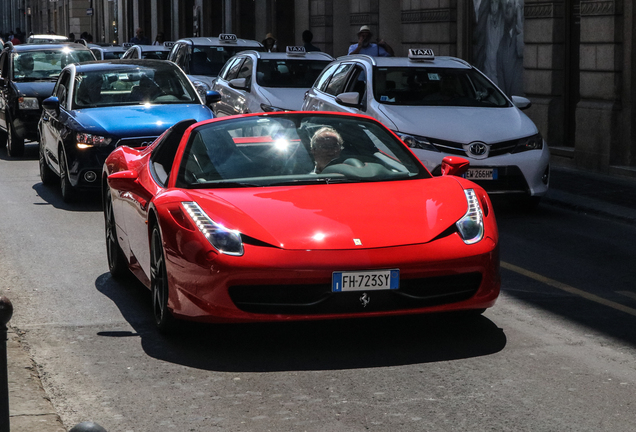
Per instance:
{"type": "Point", "coordinates": [557, 352]}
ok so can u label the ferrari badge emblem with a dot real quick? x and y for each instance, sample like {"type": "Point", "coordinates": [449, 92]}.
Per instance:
{"type": "Point", "coordinates": [357, 242]}
{"type": "Point", "coordinates": [365, 299]}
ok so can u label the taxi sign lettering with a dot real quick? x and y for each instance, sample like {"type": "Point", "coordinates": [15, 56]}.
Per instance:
{"type": "Point", "coordinates": [296, 50]}
{"type": "Point", "coordinates": [227, 37]}
{"type": "Point", "coordinates": [168, 44]}
{"type": "Point", "coordinates": [421, 54]}
{"type": "Point", "coordinates": [127, 44]}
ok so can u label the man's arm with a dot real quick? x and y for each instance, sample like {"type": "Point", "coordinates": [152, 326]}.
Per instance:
{"type": "Point", "coordinates": [382, 44]}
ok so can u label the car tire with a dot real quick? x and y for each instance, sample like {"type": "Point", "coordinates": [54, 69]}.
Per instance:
{"type": "Point", "coordinates": [117, 263]}
{"type": "Point", "coordinates": [68, 190]}
{"type": "Point", "coordinates": [46, 173]}
{"type": "Point", "coordinates": [159, 285]}
{"type": "Point", "coordinates": [15, 144]}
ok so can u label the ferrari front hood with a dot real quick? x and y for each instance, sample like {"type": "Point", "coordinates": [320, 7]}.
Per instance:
{"type": "Point", "coordinates": [345, 216]}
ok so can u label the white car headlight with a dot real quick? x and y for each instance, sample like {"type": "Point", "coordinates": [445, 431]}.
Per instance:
{"type": "Point", "coordinates": [471, 225]}
{"type": "Point", "coordinates": [28, 103]}
{"type": "Point", "coordinates": [226, 241]}
{"type": "Point", "coordinates": [201, 88]}
{"type": "Point", "coordinates": [415, 141]}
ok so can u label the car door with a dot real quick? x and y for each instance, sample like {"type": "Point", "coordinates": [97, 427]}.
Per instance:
{"type": "Point", "coordinates": [51, 125]}
{"type": "Point", "coordinates": [229, 96]}
{"type": "Point", "coordinates": [313, 101]}
{"type": "Point", "coordinates": [4, 88]}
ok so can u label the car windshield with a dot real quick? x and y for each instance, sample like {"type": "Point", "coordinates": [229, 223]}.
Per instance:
{"type": "Point", "coordinates": [132, 85]}
{"type": "Point", "coordinates": [155, 55]}
{"type": "Point", "coordinates": [208, 60]}
{"type": "Point", "coordinates": [431, 86]}
{"type": "Point", "coordinates": [46, 64]}
{"type": "Point", "coordinates": [294, 149]}
{"type": "Point", "coordinates": [288, 73]}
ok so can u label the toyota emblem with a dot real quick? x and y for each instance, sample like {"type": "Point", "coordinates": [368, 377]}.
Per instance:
{"type": "Point", "coordinates": [477, 150]}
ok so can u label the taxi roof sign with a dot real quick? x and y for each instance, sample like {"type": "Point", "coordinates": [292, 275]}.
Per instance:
{"type": "Point", "coordinates": [227, 38]}
{"type": "Point", "coordinates": [420, 54]}
{"type": "Point", "coordinates": [127, 44]}
{"type": "Point", "coordinates": [168, 44]}
{"type": "Point", "coordinates": [296, 50]}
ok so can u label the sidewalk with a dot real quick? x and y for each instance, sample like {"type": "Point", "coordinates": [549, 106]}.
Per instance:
{"type": "Point", "coordinates": [606, 196]}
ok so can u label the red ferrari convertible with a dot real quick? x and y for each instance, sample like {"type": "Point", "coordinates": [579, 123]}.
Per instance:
{"type": "Point", "coordinates": [296, 216]}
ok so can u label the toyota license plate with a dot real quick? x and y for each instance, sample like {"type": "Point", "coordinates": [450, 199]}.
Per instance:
{"type": "Point", "coordinates": [481, 174]}
{"type": "Point", "coordinates": [365, 280]}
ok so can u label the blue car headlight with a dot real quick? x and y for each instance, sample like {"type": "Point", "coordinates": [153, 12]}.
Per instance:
{"type": "Point", "coordinates": [86, 140]}
{"type": "Point", "coordinates": [225, 240]}
{"type": "Point", "coordinates": [471, 225]}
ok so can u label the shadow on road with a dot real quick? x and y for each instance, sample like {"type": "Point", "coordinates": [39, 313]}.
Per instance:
{"type": "Point", "coordinates": [293, 346]}
{"type": "Point", "coordinates": [582, 267]}
{"type": "Point", "coordinates": [84, 202]}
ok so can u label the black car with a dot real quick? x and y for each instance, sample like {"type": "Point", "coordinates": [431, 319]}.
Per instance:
{"type": "Point", "coordinates": [27, 76]}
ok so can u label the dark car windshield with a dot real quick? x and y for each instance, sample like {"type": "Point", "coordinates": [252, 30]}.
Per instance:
{"type": "Point", "coordinates": [208, 60]}
{"type": "Point", "coordinates": [431, 86]}
{"type": "Point", "coordinates": [155, 55]}
{"type": "Point", "coordinates": [288, 73]}
{"type": "Point", "coordinates": [46, 64]}
{"type": "Point", "coordinates": [163, 84]}
{"type": "Point", "coordinates": [294, 149]}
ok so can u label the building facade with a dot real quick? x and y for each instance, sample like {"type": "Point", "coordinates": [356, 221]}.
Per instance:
{"type": "Point", "coordinates": [572, 58]}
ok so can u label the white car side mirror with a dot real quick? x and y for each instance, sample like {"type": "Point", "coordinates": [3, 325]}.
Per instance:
{"type": "Point", "coordinates": [238, 83]}
{"type": "Point", "coordinates": [351, 99]}
{"type": "Point", "coordinates": [521, 102]}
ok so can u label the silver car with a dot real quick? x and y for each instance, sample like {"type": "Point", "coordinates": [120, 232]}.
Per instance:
{"type": "Point", "coordinates": [201, 58]}
{"type": "Point", "coordinates": [258, 81]}
{"type": "Point", "coordinates": [151, 52]}
{"type": "Point", "coordinates": [442, 106]}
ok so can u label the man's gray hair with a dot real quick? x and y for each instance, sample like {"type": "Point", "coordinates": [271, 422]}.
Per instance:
{"type": "Point", "coordinates": [326, 132]}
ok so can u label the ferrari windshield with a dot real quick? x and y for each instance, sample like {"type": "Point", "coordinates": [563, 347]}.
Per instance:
{"type": "Point", "coordinates": [132, 85]}
{"type": "Point", "coordinates": [46, 64]}
{"type": "Point", "coordinates": [288, 73]}
{"type": "Point", "coordinates": [294, 149]}
{"type": "Point", "coordinates": [431, 86]}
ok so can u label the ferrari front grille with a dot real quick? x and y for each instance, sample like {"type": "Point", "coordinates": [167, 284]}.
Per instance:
{"type": "Point", "coordinates": [319, 299]}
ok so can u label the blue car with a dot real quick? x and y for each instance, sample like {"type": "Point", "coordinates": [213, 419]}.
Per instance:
{"type": "Point", "coordinates": [98, 106]}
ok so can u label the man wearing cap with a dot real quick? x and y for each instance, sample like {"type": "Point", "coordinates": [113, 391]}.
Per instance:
{"type": "Point", "coordinates": [365, 46]}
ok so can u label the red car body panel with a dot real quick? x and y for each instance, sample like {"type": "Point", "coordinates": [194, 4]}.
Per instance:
{"type": "Point", "coordinates": [299, 236]}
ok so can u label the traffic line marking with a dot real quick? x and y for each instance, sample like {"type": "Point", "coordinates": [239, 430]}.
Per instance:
{"type": "Point", "coordinates": [627, 294]}
{"type": "Point", "coordinates": [565, 287]}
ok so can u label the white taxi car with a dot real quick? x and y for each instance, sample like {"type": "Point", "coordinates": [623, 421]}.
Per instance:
{"type": "Point", "coordinates": [201, 58]}
{"type": "Point", "coordinates": [443, 106]}
{"type": "Point", "coordinates": [255, 81]}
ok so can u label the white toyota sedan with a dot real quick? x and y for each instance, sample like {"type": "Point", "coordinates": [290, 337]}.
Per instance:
{"type": "Point", "coordinates": [443, 106]}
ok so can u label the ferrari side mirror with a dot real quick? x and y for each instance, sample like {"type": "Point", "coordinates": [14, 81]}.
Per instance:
{"type": "Point", "coordinates": [454, 165]}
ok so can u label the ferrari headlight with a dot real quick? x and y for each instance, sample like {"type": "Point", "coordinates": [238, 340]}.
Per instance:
{"type": "Point", "coordinates": [534, 142]}
{"type": "Point", "coordinates": [28, 103]}
{"type": "Point", "coordinates": [226, 241]}
{"type": "Point", "coordinates": [85, 140]}
{"type": "Point", "coordinates": [201, 88]}
{"type": "Point", "coordinates": [417, 142]}
{"type": "Point", "coordinates": [471, 225]}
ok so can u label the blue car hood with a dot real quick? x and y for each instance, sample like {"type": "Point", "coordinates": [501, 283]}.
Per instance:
{"type": "Point", "coordinates": [138, 120]}
{"type": "Point", "coordinates": [38, 89]}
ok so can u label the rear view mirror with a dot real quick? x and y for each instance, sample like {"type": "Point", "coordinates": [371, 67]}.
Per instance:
{"type": "Point", "coordinates": [238, 83]}
{"type": "Point", "coordinates": [454, 165]}
{"type": "Point", "coordinates": [51, 105]}
{"type": "Point", "coordinates": [521, 102]}
{"type": "Point", "coordinates": [350, 99]}
{"type": "Point", "coordinates": [212, 96]}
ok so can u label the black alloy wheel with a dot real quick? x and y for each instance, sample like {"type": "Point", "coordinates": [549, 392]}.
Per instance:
{"type": "Point", "coordinates": [159, 284]}
{"type": "Point", "coordinates": [117, 263]}
{"type": "Point", "coordinates": [15, 143]}
{"type": "Point", "coordinates": [46, 173]}
{"type": "Point", "coordinates": [68, 191]}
